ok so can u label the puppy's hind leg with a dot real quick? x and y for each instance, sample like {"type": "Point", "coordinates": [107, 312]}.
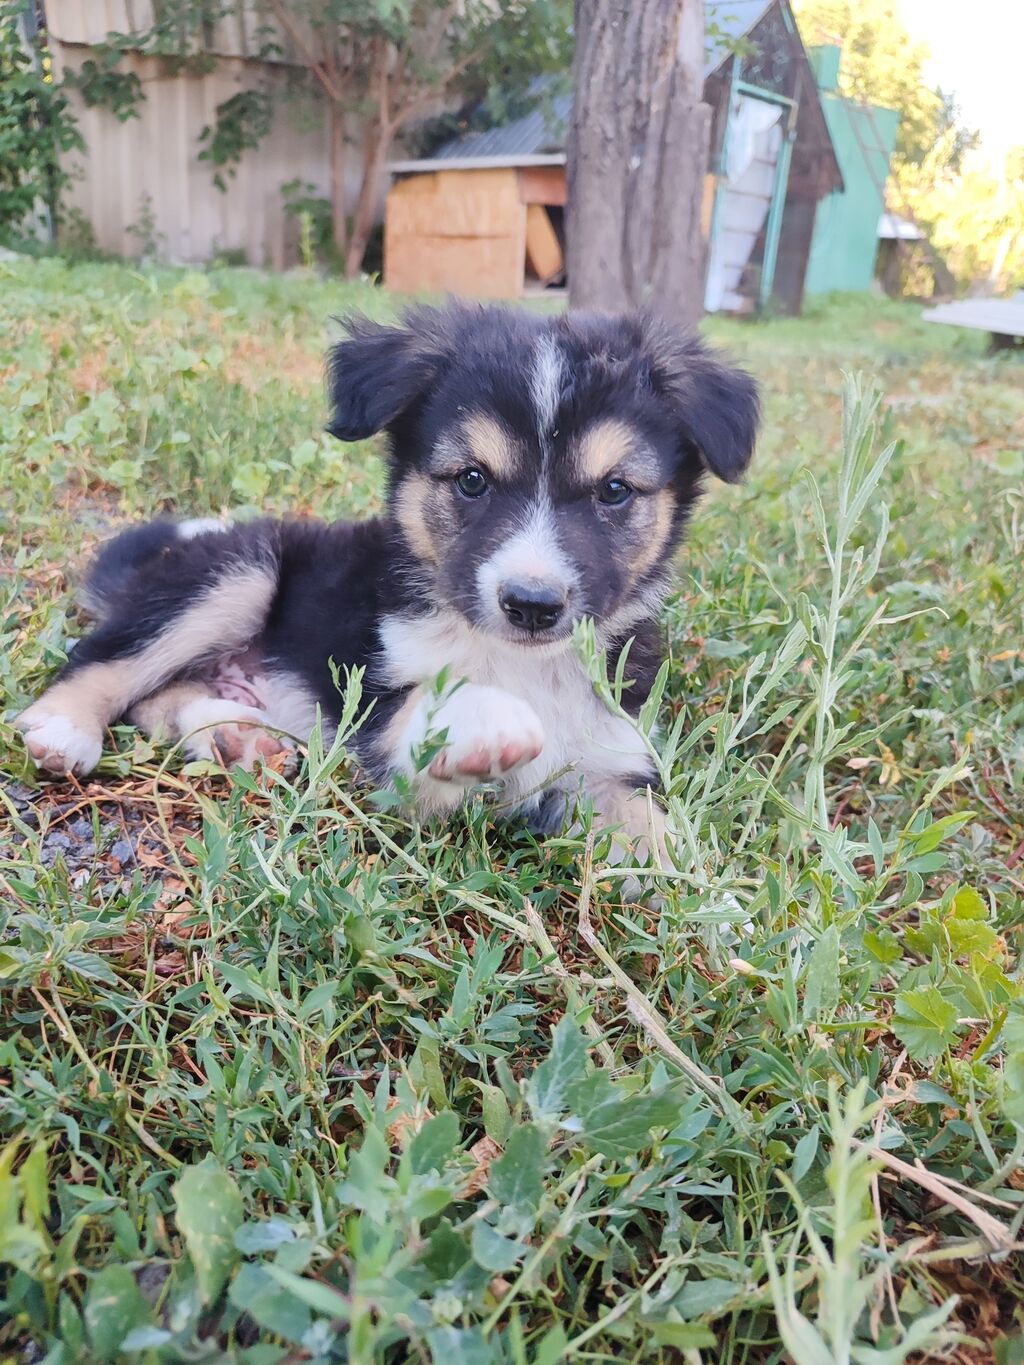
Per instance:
{"type": "Point", "coordinates": [172, 621]}
{"type": "Point", "coordinates": [213, 728]}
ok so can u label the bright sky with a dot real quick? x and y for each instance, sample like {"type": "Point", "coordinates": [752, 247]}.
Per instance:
{"type": "Point", "coordinates": [977, 52]}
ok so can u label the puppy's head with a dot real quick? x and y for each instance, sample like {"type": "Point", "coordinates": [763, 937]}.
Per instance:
{"type": "Point", "coordinates": [542, 469]}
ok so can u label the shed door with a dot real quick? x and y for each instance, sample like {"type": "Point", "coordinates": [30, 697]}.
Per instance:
{"type": "Point", "coordinates": [754, 138]}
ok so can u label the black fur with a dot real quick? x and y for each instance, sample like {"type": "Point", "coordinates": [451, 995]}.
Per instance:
{"type": "Point", "coordinates": [120, 557]}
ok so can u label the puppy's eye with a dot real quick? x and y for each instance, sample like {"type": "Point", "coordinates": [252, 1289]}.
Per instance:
{"type": "Point", "coordinates": [471, 483]}
{"type": "Point", "coordinates": [613, 493]}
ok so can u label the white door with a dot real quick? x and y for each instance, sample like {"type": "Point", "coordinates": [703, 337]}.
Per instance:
{"type": "Point", "coordinates": [752, 154]}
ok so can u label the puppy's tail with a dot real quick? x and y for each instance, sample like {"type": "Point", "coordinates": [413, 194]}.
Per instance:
{"type": "Point", "coordinates": [119, 558]}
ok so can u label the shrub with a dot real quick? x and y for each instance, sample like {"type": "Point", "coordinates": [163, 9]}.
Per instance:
{"type": "Point", "coordinates": [35, 125]}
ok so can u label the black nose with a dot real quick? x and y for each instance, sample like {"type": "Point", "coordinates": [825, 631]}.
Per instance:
{"type": "Point", "coordinates": [532, 606]}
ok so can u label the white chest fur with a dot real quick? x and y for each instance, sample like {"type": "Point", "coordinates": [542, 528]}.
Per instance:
{"type": "Point", "coordinates": [583, 741]}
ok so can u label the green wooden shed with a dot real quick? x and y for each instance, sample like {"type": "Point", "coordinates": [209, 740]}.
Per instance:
{"type": "Point", "coordinates": [844, 246]}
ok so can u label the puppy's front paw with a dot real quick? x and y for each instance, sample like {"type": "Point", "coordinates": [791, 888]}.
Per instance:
{"type": "Point", "coordinates": [490, 734]}
{"type": "Point", "coordinates": [60, 744]}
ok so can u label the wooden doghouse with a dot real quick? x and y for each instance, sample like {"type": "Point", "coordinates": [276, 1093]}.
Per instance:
{"type": "Point", "coordinates": [479, 228]}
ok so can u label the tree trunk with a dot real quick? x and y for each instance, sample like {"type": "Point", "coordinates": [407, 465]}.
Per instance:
{"type": "Point", "coordinates": [637, 157]}
{"type": "Point", "coordinates": [339, 223]}
{"type": "Point", "coordinates": [375, 150]}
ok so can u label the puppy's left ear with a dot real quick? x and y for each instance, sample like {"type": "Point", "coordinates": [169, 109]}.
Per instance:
{"type": "Point", "coordinates": [377, 373]}
{"type": "Point", "coordinates": [715, 404]}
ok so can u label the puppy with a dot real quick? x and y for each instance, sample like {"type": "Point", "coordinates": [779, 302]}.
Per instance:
{"type": "Point", "coordinates": [541, 469]}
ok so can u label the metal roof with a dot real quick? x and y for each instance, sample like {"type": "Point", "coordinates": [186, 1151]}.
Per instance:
{"type": "Point", "coordinates": [543, 131]}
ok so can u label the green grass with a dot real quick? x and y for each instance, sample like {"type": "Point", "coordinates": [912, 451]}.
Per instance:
{"type": "Point", "coordinates": [304, 1082]}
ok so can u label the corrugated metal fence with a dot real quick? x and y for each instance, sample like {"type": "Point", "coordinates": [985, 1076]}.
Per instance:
{"type": "Point", "coordinates": [140, 182]}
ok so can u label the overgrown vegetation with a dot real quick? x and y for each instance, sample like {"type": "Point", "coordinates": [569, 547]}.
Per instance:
{"type": "Point", "coordinates": [285, 1078]}
{"type": "Point", "coordinates": [35, 128]}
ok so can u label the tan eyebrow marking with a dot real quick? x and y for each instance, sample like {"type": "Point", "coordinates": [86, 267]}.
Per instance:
{"type": "Point", "coordinates": [490, 445]}
{"type": "Point", "coordinates": [479, 440]}
{"type": "Point", "coordinates": [601, 448]}
{"type": "Point", "coordinates": [609, 447]}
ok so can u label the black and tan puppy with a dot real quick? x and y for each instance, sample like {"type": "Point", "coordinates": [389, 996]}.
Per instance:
{"type": "Point", "coordinates": [541, 470]}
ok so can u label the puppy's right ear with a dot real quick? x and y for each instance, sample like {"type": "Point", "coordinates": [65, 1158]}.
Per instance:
{"type": "Point", "coordinates": [375, 375]}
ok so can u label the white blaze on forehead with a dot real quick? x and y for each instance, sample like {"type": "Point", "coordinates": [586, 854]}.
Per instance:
{"type": "Point", "coordinates": [547, 378]}
{"type": "Point", "coordinates": [532, 554]}
{"type": "Point", "coordinates": [199, 526]}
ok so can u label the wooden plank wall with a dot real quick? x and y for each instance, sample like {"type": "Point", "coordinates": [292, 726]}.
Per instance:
{"type": "Point", "coordinates": [460, 232]}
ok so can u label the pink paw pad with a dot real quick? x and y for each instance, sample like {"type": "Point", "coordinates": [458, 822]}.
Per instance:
{"type": "Point", "coordinates": [245, 744]}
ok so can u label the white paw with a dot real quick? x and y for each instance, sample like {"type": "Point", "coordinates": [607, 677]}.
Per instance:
{"type": "Point", "coordinates": [58, 744]}
{"type": "Point", "coordinates": [490, 734]}
{"type": "Point", "coordinates": [232, 735]}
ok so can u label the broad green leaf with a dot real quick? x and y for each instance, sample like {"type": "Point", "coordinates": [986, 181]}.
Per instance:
{"type": "Point", "coordinates": [446, 1252]}
{"type": "Point", "coordinates": [969, 904]}
{"type": "Point", "coordinates": [933, 836]}
{"type": "Point", "coordinates": [1013, 1088]}
{"type": "Point", "coordinates": [698, 1297]}
{"type": "Point", "coordinates": [883, 945]}
{"type": "Point", "coordinates": [425, 1071]}
{"type": "Point", "coordinates": [970, 936]}
{"type": "Point", "coordinates": [322, 1298]}
{"type": "Point", "coordinates": [804, 1153]}
{"type": "Point", "coordinates": [113, 1308]}
{"type": "Point", "coordinates": [460, 1346]}
{"type": "Point", "coordinates": [1013, 1067]}
{"type": "Point", "coordinates": [145, 1338]}
{"type": "Point", "coordinates": [550, 1350]}
{"type": "Point", "coordinates": [435, 1143]}
{"type": "Point", "coordinates": [427, 1200]}
{"type": "Point", "coordinates": [243, 981]}
{"type": "Point", "coordinates": [92, 966]}
{"type": "Point", "coordinates": [924, 1022]}
{"type": "Point", "coordinates": [517, 1177]}
{"type": "Point", "coordinates": [619, 1125]}
{"type": "Point", "coordinates": [268, 1235]}
{"type": "Point", "coordinates": [209, 1214]}
{"type": "Point", "coordinates": [821, 983]}
{"type": "Point", "coordinates": [272, 1306]}
{"type": "Point", "coordinates": [684, 1336]}
{"type": "Point", "coordinates": [35, 1184]}
{"type": "Point", "coordinates": [548, 1088]}
{"type": "Point", "coordinates": [368, 1186]}
{"type": "Point", "coordinates": [957, 930]}
{"type": "Point", "coordinates": [1013, 1029]}
{"type": "Point", "coordinates": [496, 1114]}
{"type": "Point", "coordinates": [494, 1252]}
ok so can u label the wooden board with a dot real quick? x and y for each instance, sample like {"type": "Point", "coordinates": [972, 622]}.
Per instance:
{"type": "Point", "coordinates": [456, 232]}
{"type": "Point", "coordinates": [1001, 317]}
{"type": "Point", "coordinates": [707, 205]}
{"type": "Point", "coordinates": [543, 185]}
{"type": "Point", "coordinates": [543, 250]}
{"type": "Point", "coordinates": [458, 204]}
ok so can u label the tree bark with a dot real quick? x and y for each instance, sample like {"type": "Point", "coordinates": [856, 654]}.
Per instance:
{"type": "Point", "coordinates": [339, 222]}
{"type": "Point", "coordinates": [378, 139]}
{"type": "Point", "coordinates": [637, 156]}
